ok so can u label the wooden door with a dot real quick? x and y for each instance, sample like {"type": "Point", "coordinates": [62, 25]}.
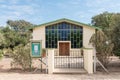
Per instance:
{"type": "Point", "coordinates": [64, 48]}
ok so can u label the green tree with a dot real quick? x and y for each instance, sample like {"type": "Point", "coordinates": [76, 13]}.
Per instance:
{"type": "Point", "coordinates": [104, 21]}
{"type": "Point", "coordinates": [110, 24]}
{"type": "Point", "coordinates": [16, 37]}
{"type": "Point", "coordinates": [19, 25]}
{"type": "Point", "coordinates": [11, 38]}
{"type": "Point", "coordinates": [103, 46]}
{"type": "Point", "coordinates": [16, 33]}
{"type": "Point", "coordinates": [116, 34]}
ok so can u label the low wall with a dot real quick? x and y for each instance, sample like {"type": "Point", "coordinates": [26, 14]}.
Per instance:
{"type": "Point", "coordinates": [88, 60]}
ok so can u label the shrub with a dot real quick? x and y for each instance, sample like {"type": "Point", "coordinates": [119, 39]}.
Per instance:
{"type": "Point", "coordinates": [7, 52]}
{"type": "Point", "coordinates": [1, 54]}
{"type": "Point", "coordinates": [21, 56]}
{"type": "Point", "coordinates": [43, 53]}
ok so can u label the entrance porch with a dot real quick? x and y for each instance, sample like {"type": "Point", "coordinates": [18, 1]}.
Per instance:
{"type": "Point", "coordinates": [70, 64]}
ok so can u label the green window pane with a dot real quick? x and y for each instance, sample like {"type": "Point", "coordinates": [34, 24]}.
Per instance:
{"type": "Point", "coordinates": [63, 32]}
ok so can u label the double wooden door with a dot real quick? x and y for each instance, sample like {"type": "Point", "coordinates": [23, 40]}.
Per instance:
{"type": "Point", "coordinates": [64, 48]}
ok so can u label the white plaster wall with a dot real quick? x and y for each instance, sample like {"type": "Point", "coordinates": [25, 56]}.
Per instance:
{"type": "Point", "coordinates": [39, 34]}
{"type": "Point", "coordinates": [87, 33]}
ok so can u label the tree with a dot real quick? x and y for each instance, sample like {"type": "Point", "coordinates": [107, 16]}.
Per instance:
{"type": "Point", "coordinates": [16, 33]}
{"type": "Point", "coordinates": [19, 25]}
{"type": "Point", "coordinates": [11, 38]}
{"type": "Point", "coordinates": [103, 46]}
{"type": "Point", "coordinates": [116, 34]}
{"type": "Point", "coordinates": [110, 24]}
{"type": "Point", "coordinates": [16, 37]}
{"type": "Point", "coordinates": [104, 21]}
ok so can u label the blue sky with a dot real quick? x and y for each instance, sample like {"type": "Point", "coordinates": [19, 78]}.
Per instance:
{"type": "Point", "coordinates": [41, 11]}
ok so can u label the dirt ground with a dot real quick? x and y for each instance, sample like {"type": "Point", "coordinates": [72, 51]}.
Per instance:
{"type": "Point", "coordinates": [6, 73]}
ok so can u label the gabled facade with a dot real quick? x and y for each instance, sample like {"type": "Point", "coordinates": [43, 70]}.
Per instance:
{"type": "Point", "coordinates": [64, 35]}
{"type": "Point", "coordinates": [63, 40]}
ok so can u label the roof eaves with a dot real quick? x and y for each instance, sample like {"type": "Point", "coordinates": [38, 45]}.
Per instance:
{"type": "Point", "coordinates": [64, 19]}
{"type": "Point", "coordinates": [83, 24]}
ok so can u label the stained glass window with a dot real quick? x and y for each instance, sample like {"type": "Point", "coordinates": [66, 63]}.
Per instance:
{"type": "Point", "coordinates": [64, 32]}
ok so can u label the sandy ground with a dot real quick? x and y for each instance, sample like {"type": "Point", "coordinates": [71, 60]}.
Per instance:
{"type": "Point", "coordinates": [17, 76]}
{"type": "Point", "coordinates": [7, 74]}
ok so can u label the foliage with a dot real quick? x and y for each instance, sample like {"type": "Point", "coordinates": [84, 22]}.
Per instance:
{"type": "Point", "coordinates": [19, 28]}
{"type": "Point", "coordinates": [13, 37]}
{"type": "Point", "coordinates": [2, 40]}
{"type": "Point", "coordinates": [104, 21]}
{"type": "Point", "coordinates": [7, 52]}
{"type": "Point", "coordinates": [1, 43]}
{"type": "Point", "coordinates": [110, 24]}
{"type": "Point", "coordinates": [43, 52]}
{"type": "Point", "coordinates": [116, 34]}
{"type": "Point", "coordinates": [14, 40]}
{"type": "Point", "coordinates": [19, 25]}
{"type": "Point", "coordinates": [21, 56]}
{"type": "Point", "coordinates": [103, 46]}
{"type": "Point", "coordinates": [1, 54]}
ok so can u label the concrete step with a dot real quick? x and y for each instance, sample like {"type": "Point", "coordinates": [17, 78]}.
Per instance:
{"type": "Point", "coordinates": [69, 71]}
